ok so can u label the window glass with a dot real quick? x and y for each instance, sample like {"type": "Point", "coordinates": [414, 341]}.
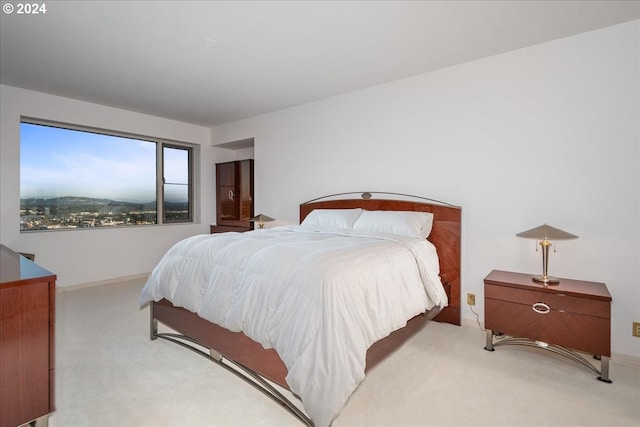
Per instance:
{"type": "Point", "coordinates": [177, 188]}
{"type": "Point", "coordinates": [74, 178]}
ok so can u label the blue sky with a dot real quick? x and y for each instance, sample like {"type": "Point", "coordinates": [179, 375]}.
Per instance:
{"type": "Point", "coordinates": [58, 162]}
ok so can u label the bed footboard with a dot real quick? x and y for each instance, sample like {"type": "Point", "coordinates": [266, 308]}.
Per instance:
{"type": "Point", "coordinates": [246, 358]}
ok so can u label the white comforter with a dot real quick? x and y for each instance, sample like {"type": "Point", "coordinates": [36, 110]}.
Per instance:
{"type": "Point", "coordinates": [319, 299]}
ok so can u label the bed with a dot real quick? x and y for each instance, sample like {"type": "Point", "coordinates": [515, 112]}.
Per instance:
{"type": "Point", "coordinates": [259, 363]}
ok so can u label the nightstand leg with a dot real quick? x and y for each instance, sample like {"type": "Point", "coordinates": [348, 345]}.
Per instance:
{"type": "Point", "coordinates": [604, 369]}
{"type": "Point", "coordinates": [489, 345]}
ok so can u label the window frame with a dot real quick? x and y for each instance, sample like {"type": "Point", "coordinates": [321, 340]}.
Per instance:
{"type": "Point", "coordinates": [160, 143]}
{"type": "Point", "coordinates": [162, 181]}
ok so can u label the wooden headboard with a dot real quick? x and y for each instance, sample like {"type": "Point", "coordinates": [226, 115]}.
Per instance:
{"type": "Point", "coordinates": [445, 235]}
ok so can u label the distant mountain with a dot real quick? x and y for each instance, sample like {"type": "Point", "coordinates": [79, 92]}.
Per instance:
{"type": "Point", "coordinates": [77, 201]}
{"type": "Point", "coordinates": [74, 204]}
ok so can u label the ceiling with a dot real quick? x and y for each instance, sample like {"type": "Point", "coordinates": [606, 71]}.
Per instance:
{"type": "Point", "coordinates": [215, 62]}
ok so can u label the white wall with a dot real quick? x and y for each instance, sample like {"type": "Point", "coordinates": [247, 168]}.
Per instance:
{"type": "Point", "coordinates": [548, 133]}
{"type": "Point", "coordinates": [85, 256]}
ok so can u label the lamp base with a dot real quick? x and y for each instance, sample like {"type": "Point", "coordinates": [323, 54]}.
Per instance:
{"type": "Point", "coordinates": [547, 280]}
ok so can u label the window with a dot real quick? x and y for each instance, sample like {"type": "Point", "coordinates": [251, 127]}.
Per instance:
{"type": "Point", "coordinates": [176, 183]}
{"type": "Point", "coordinates": [72, 178]}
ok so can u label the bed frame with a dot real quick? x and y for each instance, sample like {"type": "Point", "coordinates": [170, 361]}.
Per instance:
{"type": "Point", "coordinates": [263, 367]}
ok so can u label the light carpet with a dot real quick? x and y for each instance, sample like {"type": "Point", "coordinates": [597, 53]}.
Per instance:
{"type": "Point", "coordinates": [109, 373]}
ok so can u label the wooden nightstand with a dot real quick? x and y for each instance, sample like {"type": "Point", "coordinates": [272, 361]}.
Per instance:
{"type": "Point", "coordinates": [573, 315]}
{"type": "Point", "coordinates": [227, 228]}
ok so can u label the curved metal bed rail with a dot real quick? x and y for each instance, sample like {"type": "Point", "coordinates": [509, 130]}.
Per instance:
{"type": "Point", "coordinates": [366, 195]}
{"type": "Point", "coordinates": [249, 376]}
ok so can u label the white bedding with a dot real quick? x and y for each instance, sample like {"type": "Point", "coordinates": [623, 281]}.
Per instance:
{"type": "Point", "coordinates": [320, 299]}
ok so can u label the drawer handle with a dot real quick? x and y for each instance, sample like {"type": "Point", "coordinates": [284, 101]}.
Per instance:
{"type": "Point", "coordinates": [541, 308]}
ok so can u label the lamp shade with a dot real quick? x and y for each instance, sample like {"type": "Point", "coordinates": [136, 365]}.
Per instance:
{"type": "Point", "coordinates": [546, 232]}
{"type": "Point", "coordinates": [261, 218]}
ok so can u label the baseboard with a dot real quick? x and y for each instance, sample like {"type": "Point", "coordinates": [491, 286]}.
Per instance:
{"type": "Point", "coordinates": [626, 359]}
{"type": "Point", "coordinates": [102, 282]}
{"type": "Point", "coordinates": [471, 323]}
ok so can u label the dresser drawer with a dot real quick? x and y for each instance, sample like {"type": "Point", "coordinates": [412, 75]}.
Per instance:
{"type": "Point", "coordinates": [555, 301]}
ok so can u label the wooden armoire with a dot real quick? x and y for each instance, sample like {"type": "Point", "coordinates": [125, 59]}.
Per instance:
{"type": "Point", "coordinates": [234, 196]}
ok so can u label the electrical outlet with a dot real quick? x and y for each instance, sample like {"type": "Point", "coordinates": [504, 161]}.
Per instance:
{"type": "Point", "coordinates": [636, 329]}
{"type": "Point", "coordinates": [471, 299]}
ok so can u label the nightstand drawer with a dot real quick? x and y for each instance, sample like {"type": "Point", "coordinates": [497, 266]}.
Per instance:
{"type": "Point", "coordinates": [577, 331]}
{"type": "Point", "coordinates": [555, 301]}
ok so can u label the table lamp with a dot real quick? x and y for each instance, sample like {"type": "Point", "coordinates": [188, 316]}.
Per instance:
{"type": "Point", "coordinates": [261, 219]}
{"type": "Point", "coordinates": [545, 233]}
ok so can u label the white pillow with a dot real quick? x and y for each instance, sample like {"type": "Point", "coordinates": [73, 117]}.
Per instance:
{"type": "Point", "coordinates": [403, 223]}
{"type": "Point", "coordinates": [331, 219]}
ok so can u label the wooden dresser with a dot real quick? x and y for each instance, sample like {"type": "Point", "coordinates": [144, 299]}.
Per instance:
{"type": "Point", "coordinates": [572, 315]}
{"type": "Point", "coordinates": [27, 323]}
{"type": "Point", "coordinates": [234, 196]}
